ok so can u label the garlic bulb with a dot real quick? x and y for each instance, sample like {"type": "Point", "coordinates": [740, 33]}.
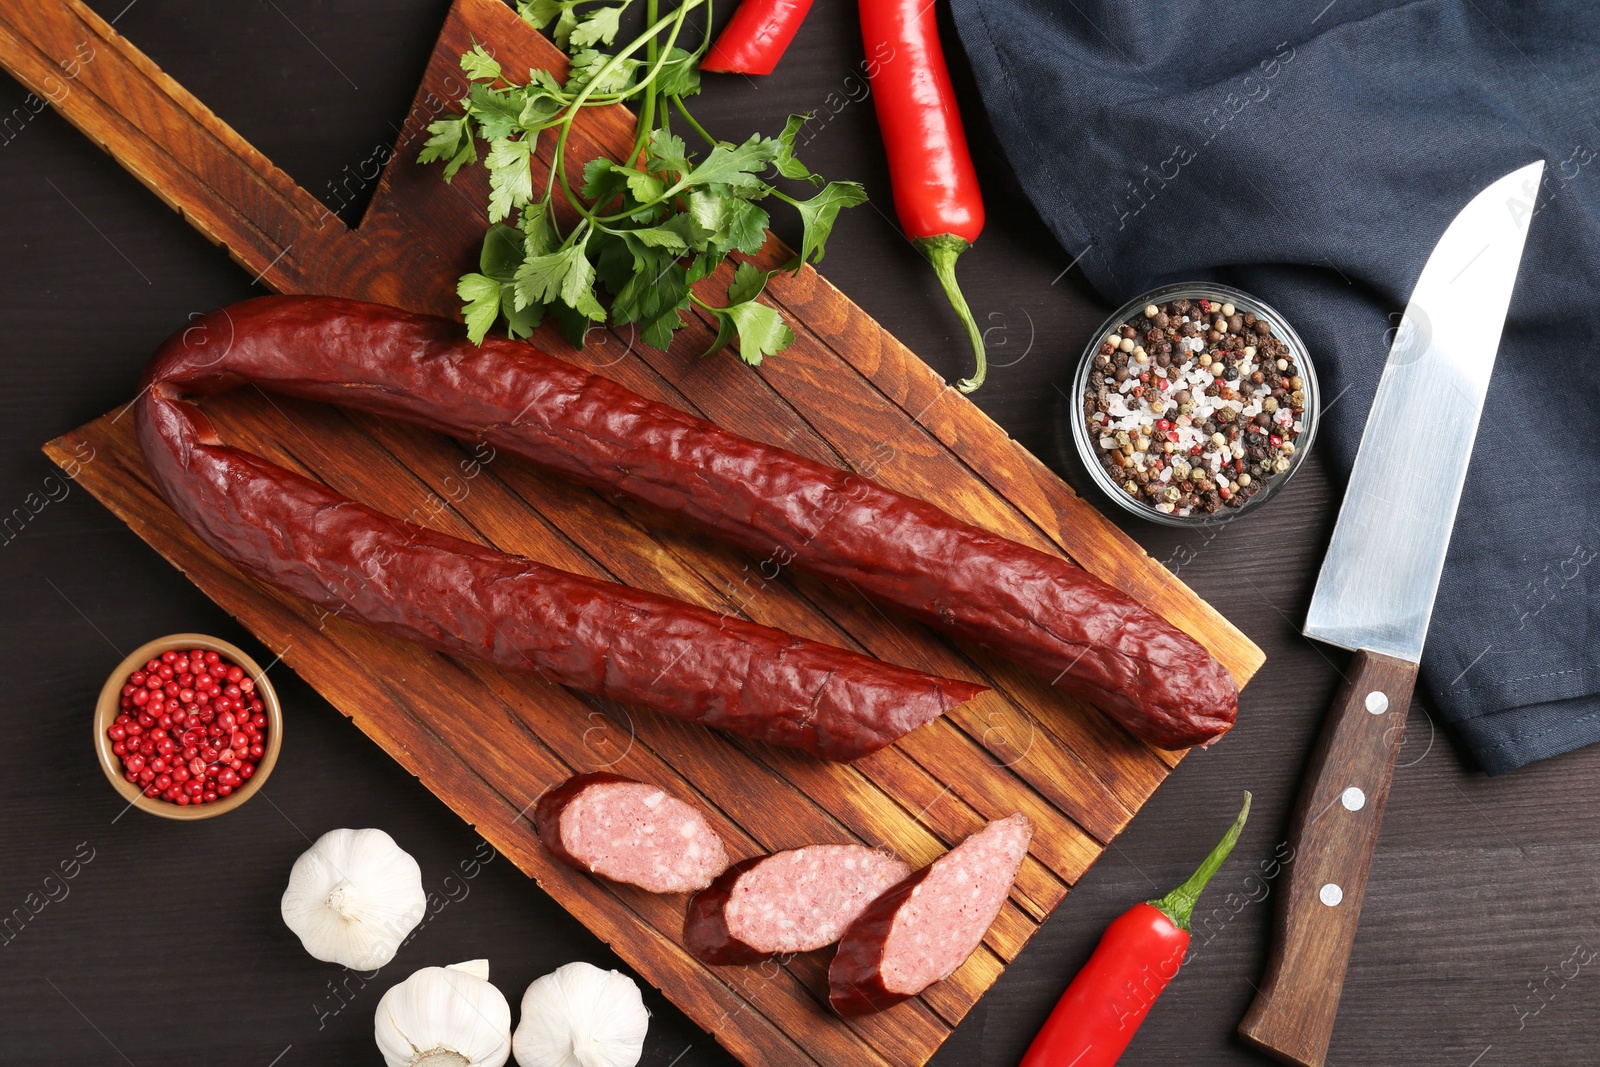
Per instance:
{"type": "Point", "coordinates": [445, 1017]}
{"type": "Point", "coordinates": [581, 1016]}
{"type": "Point", "coordinates": [353, 897]}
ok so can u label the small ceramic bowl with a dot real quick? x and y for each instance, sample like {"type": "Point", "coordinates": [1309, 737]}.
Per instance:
{"type": "Point", "coordinates": [1087, 448]}
{"type": "Point", "coordinates": [105, 713]}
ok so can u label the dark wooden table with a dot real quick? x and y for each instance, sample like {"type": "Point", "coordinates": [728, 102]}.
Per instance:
{"type": "Point", "coordinates": [166, 946]}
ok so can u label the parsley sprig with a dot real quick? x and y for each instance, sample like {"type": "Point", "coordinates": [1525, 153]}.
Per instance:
{"type": "Point", "coordinates": [645, 227]}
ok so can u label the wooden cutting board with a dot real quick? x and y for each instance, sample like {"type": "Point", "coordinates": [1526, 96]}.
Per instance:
{"type": "Point", "coordinates": [488, 743]}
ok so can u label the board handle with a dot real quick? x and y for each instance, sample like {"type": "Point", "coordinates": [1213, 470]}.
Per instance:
{"type": "Point", "coordinates": [68, 55]}
{"type": "Point", "coordinates": [1333, 830]}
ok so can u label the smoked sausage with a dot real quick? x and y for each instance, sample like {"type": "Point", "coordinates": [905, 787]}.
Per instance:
{"type": "Point", "coordinates": [465, 599]}
{"type": "Point", "coordinates": [1040, 610]}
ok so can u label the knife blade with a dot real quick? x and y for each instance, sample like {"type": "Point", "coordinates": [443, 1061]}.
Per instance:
{"type": "Point", "coordinates": [1375, 594]}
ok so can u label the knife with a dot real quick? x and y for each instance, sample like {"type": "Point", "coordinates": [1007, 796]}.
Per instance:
{"type": "Point", "coordinates": [1374, 596]}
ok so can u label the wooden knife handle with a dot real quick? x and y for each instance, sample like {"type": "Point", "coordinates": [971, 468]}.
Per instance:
{"type": "Point", "coordinates": [1333, 831]}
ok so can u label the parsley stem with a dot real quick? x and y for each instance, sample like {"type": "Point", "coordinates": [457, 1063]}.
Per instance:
{"type": "Point", "coordinates": [675, 20]}
{"type": "Point", "coordinates": [700, 213]}
{"type": "Point", "coordinates": [705, 38]}
{"type": "Point", "coordinates": [701, 130]}
{"type": "Point", "coordinates": [673, 190]}
{"type": "Point", "coordinates": [647, 111]}
{"type": "Point", "coordinates": [558, 170]}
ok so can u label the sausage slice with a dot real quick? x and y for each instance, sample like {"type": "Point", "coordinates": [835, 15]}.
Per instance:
{"type": "Point", "coordinates": [925, 927]}
{"type": "Point", "coordinates": [791, 901]}
{"type": "Point", "coordinates": [630, 832]}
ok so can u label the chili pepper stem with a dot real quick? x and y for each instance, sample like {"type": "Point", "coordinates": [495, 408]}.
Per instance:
{"type": "Point", "coordinates": [942, 251]}
{"type": "Point", "coordinates": [1178, 905]}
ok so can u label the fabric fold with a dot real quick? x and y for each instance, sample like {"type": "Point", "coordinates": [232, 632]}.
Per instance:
{"type": "Point", "coordinates": [1313, 159]}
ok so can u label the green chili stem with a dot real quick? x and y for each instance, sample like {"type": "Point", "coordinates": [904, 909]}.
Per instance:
{"type": "Point", "coordinates": [1178, 905]}
{"type": "Point", "coordinates": [942, 251]}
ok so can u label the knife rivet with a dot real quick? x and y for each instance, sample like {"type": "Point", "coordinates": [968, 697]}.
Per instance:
{"type": "Point", "coordinates": [1377, 703]}
{"type": "Point", "coordinates": [1353, 799]}
{"type": "Point", "coordinates": [1331, 895]}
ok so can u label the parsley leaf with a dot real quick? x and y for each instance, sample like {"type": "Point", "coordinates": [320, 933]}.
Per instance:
{"type": "Point", "coordinates": [543, 80]}
{"type": "Point", "coordinates": [535, 228]}
{"type": "Point", "coordinates": [603, 180]}
{"type": "Point", "coordinates": [539, 13]}
{"type": "Point", "coordinates": [666, 152]}
{"type": "Point", "coordinates": [785, 161]}
{"type": "Point", "coordinates": [668, 235]}
{"type": "Point", "coordinates": [502, 252]}
{"type": "Point", "coordinates": [586, 66]}
{"type": "Point", "coordinates": [747, 284]}
{"type": "Point", "coordinates": [510, 176]}
{"type": "Point", "coordinates": [643, 185]}
{"type": "Point", "coordinates": [451, 142]}
{"type": "Point", "coordinates": [538, 108]}
{"type": "Point", "coordinates": [498, 111]}
{"type": "Point", "coordinates": [539, 279]}
{"type": "Point", "coordinates": [819, 214]}
{"type": "Point", "coordinates": [565, 275]}
{"type": "Point", "coordinates": [566, 22]}
{"type": "Point", "coordinates": [482, 295]}
{"type": "Point", "coordinates": [479, 65]}
{"type": "Point", "coordinates": [760, 329]}
{"type": "Point", "coordinates": [680, 74]}
{"type": "Point", "coordinates": [657, 332]}
{"type": "Point", "coordinates": [725, 223]}
{"type": "Point", "coordinates": [520, 322]}
{"type": "Point", "coordinates": [598, 27]}
{"type": "Point", "coordinates": [738, 168]}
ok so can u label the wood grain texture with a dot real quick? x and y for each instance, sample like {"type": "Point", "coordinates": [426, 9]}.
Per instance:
{"type": "Point", "coordinates": [489, 743]}
{"type": "Point", "coordinates": [1333, 834]}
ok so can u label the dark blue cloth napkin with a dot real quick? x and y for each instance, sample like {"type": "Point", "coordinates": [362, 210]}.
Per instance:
{"type": "Point", "coordinates": [1311, 154]}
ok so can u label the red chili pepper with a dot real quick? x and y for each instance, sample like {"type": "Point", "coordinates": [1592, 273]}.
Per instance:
{"type": "Point", "coordinates": [936, 190]}
{"type": "Point", "coordinates": [1138, 955]}
{"type": "Point", "coordinates": [756, 37]}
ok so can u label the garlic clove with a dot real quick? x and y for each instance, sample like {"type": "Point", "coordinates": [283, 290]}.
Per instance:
{"type": "Point", "coordinates": [445, 1017]}
{"type": "Point", "coordinates": [353, 898]}
{"type": "Point", "coordinates": [581, 1016]}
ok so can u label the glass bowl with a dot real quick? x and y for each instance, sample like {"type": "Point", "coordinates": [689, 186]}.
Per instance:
{"type": "Point", "coordinates": [1088, 448]}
